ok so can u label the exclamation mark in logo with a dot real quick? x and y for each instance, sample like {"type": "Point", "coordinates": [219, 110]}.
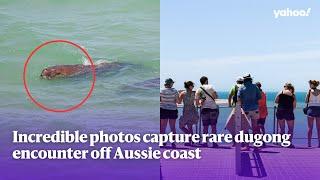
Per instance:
{"type": "Point", "coordinates": [308, 11]}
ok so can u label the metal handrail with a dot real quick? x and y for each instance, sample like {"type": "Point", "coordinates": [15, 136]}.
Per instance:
{"type": "Point", "coordinates": [275, 124]}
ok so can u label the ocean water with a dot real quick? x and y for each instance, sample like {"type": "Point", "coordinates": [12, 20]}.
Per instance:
{"type": "Point", "coordinates": [125, 32]}
{"type": "Point", "coordinates": [116, 31]}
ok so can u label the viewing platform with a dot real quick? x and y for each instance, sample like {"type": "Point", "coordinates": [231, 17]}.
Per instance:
{"type": "Point", "coordinates": [270, 162]}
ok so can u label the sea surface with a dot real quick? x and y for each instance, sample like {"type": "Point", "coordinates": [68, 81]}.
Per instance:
{"type": "Point", "coordinates": [125, 32]}
{"type": "Point", "coordinates": [123, 100]}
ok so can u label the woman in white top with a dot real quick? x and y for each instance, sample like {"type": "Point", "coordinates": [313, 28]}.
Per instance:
{"type": "Point", "coordinates": [313, 112]}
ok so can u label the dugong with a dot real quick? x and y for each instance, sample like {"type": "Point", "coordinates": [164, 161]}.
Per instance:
{"type": "Point", "coordinates": [76, 69]}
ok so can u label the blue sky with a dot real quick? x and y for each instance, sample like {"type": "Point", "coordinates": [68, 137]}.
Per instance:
{"type": "Point", "coordinates": [225, 39]}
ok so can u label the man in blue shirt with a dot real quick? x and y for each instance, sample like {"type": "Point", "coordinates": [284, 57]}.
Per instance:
{"type": "Point", "coordinates": [248, 96]}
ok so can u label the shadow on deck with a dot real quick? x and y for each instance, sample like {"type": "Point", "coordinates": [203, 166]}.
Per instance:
{"type": "Point", "coordinates": [272, 162]}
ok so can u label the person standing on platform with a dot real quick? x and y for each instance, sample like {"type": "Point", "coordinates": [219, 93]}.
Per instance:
{"type": "Point", "coordinates": [169, 98]}
{"type": "Point", "coordinates": [206, 96]}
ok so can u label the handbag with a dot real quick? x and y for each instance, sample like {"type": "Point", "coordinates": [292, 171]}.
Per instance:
{"type": "Point", "coordinates": [305, 109]}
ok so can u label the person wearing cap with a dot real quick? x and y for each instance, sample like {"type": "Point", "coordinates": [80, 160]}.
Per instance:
{"type": "Point", "coordinates": [313, 112]}
{"type": "Point", "coordinates": [169, 98]}
{"type": "Point", "coordinates": [205, 97]}
{"type": "Point", "coordinates": [249, 96]}
{"type": "Point", "coordinates": [231, 121]}
{"type": "Point", "coordinates": [263, 110]}
{"type": "Point", "coordinates": [232, 98]}
{"type": "Point", "coordinates": [286, 101]}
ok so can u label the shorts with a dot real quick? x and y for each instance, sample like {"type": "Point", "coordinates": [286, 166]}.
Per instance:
{"type": "Point", "coordinates": [286, 114]}
{"type": "Point", "coordinates": [168, 114]}
{"type": "Point", "coordinates": [209, 116]}
{"type": "Point", "coordinates": [313, 111]}
{"type": "Point", "coordinates": [252, 114]}
{"type": "Point", "coordinates": [261, 121]}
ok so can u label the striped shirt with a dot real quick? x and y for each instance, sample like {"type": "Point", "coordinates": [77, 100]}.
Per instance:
{"type": "Point", "coordinates": [169, 98]}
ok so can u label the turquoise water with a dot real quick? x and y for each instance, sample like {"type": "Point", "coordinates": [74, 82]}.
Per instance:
{"type": "Point", "coordinates": [115, 31]}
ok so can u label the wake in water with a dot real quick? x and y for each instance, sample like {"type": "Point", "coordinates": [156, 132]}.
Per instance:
{"type": "Point", "coordinates": [86, 62]}
{"type": "Point", "coordinates": [150, 83]}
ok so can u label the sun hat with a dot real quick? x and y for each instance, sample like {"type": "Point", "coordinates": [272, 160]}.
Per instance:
{"type": "Point", "coordinates": [239, 79]}
{"type": "Point", "coordinates": [314, 82]}
{"type": "Point", "coordinates": [247, 77]}
{"type": "Point", "coordinates": [168, 81]}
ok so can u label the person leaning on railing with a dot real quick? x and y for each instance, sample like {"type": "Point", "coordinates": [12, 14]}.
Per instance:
{"type": "Point", "coordinates": [232, 98]}
{"type": "Point", "coordinates": [248, 96]}
{"type": "Point", "coordinates": [263, 110]}
{"type": "Point", "coordinates": [169, 98]}
{"type": "Point", "coordinates": [206, 96]}
{"type": "Point", "coordinates": [286, 101]}
{"type": "Point", "coordinates": [313, 109]}
{"type": "Point", "coordinates": [231, 121]}
{"type": "Point", "coordinates": [190, 114]}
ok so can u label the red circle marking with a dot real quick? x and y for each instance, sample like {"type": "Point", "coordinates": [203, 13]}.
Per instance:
{"type": "Point", "coordinates": [52, 109]}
